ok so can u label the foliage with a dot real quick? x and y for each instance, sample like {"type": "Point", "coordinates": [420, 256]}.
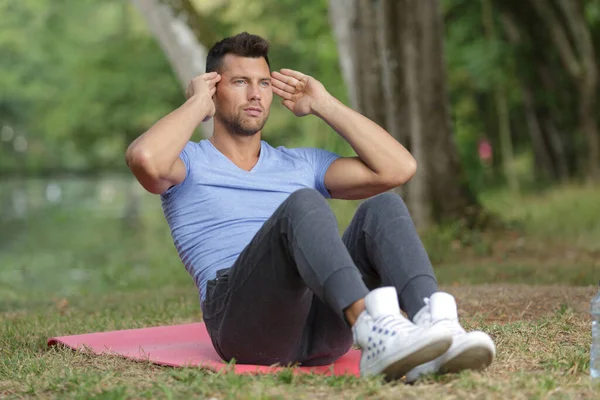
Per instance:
{"type": "Point", "coordinates": [82, 78]}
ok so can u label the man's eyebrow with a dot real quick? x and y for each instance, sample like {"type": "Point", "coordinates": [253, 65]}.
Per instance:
{"type": "Point", "coordinates": [266, 78]}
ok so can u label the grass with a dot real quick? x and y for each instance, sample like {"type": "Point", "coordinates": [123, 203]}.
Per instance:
{"type": "Point", "coordinates": [69, 270]}
{"type": "Point", "coordinates": [540, 356]}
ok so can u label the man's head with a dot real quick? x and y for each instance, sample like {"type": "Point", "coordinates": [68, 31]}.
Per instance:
{"type": "Point", "coordinates": [243, 97]}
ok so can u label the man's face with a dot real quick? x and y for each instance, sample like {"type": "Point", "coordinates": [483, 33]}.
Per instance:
{"type": "Point", "coordinates": [244, 94]}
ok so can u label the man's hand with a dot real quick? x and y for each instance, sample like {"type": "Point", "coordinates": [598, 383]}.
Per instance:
{"type": "Point", "coordinates": [301, 93]}
{"type": "Point", "coordinates": [204, 87]}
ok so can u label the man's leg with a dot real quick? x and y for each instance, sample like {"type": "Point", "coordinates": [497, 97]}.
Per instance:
{"type": "Point", "coordinates": [270, 306]}
{"type": "Point", "coordinates": [386, 248]}
{"type": "Point", "coordinates": [258, 311]}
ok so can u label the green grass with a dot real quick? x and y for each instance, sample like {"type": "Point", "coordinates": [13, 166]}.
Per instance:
{"type": "Point", "coordinates": [563, 213]}
{"type": "Point", "coordinates": [69, 270]}
{"type": "Point", "coordinates": [535, 357]}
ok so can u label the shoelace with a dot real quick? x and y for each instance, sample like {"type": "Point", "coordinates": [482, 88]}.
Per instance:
{"type": "Point", "coordinates": [452, 325]}
{"type": "Point", "coordinates": [392, 323]}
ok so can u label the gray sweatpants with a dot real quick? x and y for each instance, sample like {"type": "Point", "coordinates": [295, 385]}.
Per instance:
{"type": "Point", "coordinates": [282, 301]}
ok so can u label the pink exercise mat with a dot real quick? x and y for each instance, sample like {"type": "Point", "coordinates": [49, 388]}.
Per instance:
{"type": "Point", "coordinates": [183, 345]}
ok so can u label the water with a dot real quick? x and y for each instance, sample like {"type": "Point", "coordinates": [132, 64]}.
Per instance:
{"type": "Point", "coordinates": [595, 348]}
{"type": "Point", "coordinates": [69, 237]}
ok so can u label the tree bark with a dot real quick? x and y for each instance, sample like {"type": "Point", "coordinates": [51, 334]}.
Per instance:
{"type": "Point", "coordinates": [179, 43]}
{"type": "Point", "coordinates": [451, 196]}
{"type": "Point", "coordinates": [553, 138]}
{"type": "Point", "coordinates": [540, 149]}
{"type": "Point", "coordinates": [547, 143]}
{"type": "Point", "coordinates": [400, 44]}
{"type": "Point", "coordinates": [419, 194]}
{"type": "Point", "coordinates": [500, 98]}
{"type": "Point", "coordinates": [371, 101]}
{"type": "Point", "coordinates": [580, 62]}
{"type": "Point", "coordinates": [388, 47]}
{"type": "Point", "coordinates": [342, 17]}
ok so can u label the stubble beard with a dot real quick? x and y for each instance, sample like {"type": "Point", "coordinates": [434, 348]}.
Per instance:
{"type": "Point", "coordinates": [240, 125]}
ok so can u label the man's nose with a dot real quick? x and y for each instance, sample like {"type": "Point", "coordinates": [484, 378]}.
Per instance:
{"type": "Point", "coordinates": [254, 92]}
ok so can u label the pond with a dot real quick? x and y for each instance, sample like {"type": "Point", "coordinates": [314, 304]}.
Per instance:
{"type": "Point", "coordinates": [72, 236]}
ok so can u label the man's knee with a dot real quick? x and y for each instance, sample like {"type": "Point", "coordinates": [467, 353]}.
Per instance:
{"type": "Point", "coordinates": [305, 200]}
{"type": "Point", "coordinates": [386, 204]}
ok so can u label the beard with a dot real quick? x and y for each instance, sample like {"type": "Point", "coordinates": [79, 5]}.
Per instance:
{"type": "Point", "coordinates": [242, 125]}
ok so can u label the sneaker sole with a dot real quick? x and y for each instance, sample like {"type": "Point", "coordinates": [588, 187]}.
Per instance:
{"type": "Point", "coordinates": [475, 358]}
{"type": "Point", "coordinates": [476, 354]}
{"type": "Point", "coordinates": [430, 349]}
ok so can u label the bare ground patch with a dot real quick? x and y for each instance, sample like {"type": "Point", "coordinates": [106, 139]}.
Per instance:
{"type": "Point", "coordinates": [508, 303]}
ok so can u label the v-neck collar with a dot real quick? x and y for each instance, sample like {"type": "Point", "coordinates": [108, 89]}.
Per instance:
{"type": "Point", "coordinates": [260, 157]}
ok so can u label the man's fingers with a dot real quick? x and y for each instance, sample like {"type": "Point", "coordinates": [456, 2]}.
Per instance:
{"type": "Point", "coordinates": [211, 78]}
{"type": "Point", "coordinates": [282, 93]}
{"type": "Point", "coordinates": [212, 83]}
{"type": "Point", "coordinates": [283, 86]}
{"type": "Point", "coordinates": [285, 79]}
{"type": "Point", "coordinates": [214, 80]}
{"type": "Point", "coordinates": [188, 91]}
{"type": "Point", "coordinates": [293, 74]}
{"type": "Point", "coordinates": [209, 75]}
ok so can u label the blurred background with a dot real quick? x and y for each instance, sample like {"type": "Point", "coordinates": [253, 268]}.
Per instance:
{"type": "Point", "coordinates": [497, 100]}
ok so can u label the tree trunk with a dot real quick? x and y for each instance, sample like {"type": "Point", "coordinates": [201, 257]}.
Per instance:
{"type": "Point", "coordinates": [553, 138]}
{"type": "Point", "coordinates": [580, 62]}
{"type": "Point", "coordinates": [179, 43]}
{"type": "Point", "coordinates": [371, 101]}
{"type": "Point", "coordinates": [547, 142]}
{"type": "Point", "coordinates": [387, 13]}
{"type": "Point", "coordinates": [451, 196]}
{"type": "Point", "coordinates": [401, 52]}
{"type": "Point", "coordinates": [540, 149]}
{"type": "Point", "coordinates": [502, 112]}
{"type": "Point", "coordinates": [419, 195]}
{"type": "Point", "coordinates": [342, 17]}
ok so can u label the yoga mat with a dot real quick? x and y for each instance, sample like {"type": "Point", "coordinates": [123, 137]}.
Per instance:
{"type": "Point", "coordinates": [183, 345]}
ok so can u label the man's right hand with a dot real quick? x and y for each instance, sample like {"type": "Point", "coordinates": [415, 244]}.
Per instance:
{"type": "Point", "coordinates": [154, 157]}
{"type": "Point", "coordinates": [204, 87]}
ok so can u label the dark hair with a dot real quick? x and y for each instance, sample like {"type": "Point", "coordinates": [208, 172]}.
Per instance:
{"type": "Point", "coordinates": [243, 44]}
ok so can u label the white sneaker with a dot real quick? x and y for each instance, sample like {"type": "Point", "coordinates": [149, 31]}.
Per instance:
{"type": "Point", "coordinates": [473, 350]}
{"type": "Point", "coordinates": [391, 344]}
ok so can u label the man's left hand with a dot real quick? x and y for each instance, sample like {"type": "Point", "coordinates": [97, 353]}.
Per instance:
{"type": "Point", "coordinates": [301, 93]}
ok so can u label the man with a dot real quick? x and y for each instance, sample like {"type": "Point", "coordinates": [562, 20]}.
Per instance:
{"type": "Point", "coordinates": [251, 224]}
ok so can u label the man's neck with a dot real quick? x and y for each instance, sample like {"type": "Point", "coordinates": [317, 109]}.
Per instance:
{"type": "Point", "coordinates": [243, 151]}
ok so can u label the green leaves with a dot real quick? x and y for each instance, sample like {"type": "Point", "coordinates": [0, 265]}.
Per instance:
{"type": "Point", "coordinates": [80, 80]}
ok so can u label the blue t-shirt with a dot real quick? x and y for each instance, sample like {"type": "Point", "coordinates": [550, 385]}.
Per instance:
{"type": "Point", "coordinates": [215, 212]}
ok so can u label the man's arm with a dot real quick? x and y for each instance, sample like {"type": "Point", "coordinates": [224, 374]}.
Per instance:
{"type": "Point", "coordinates": [154, 156]}
{"type": "Point", "coordinates": [382, 162]}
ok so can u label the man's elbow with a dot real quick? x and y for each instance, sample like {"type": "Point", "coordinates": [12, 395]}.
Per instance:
{"type": "Point", "coordinates": [402, 175]}
{"type": "Point", "coordinates": [140, 160]}
{"type": "Point", "coordinates": [141, 164]}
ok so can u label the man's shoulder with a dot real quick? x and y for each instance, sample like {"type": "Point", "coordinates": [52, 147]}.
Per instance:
{"type": "Point", "coordinates": [198, 150]}
{"type": "Point", "coordinates": [294, 152]}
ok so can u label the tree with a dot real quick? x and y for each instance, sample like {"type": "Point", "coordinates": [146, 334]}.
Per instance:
{"type": "Point", "coordinates": [400, 79]}
{"type": "Point", "coordinates": [76, 94]}
{"type": "Point", "coordinates": [560, 28]}
{"type": "Point", "coordinates": [501, 103]}
{"type": "Point", "coordinates": [171, 24]}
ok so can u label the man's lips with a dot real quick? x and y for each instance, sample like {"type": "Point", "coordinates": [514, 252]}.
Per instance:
{"type": "Point", "coordinates": [253, 111]}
